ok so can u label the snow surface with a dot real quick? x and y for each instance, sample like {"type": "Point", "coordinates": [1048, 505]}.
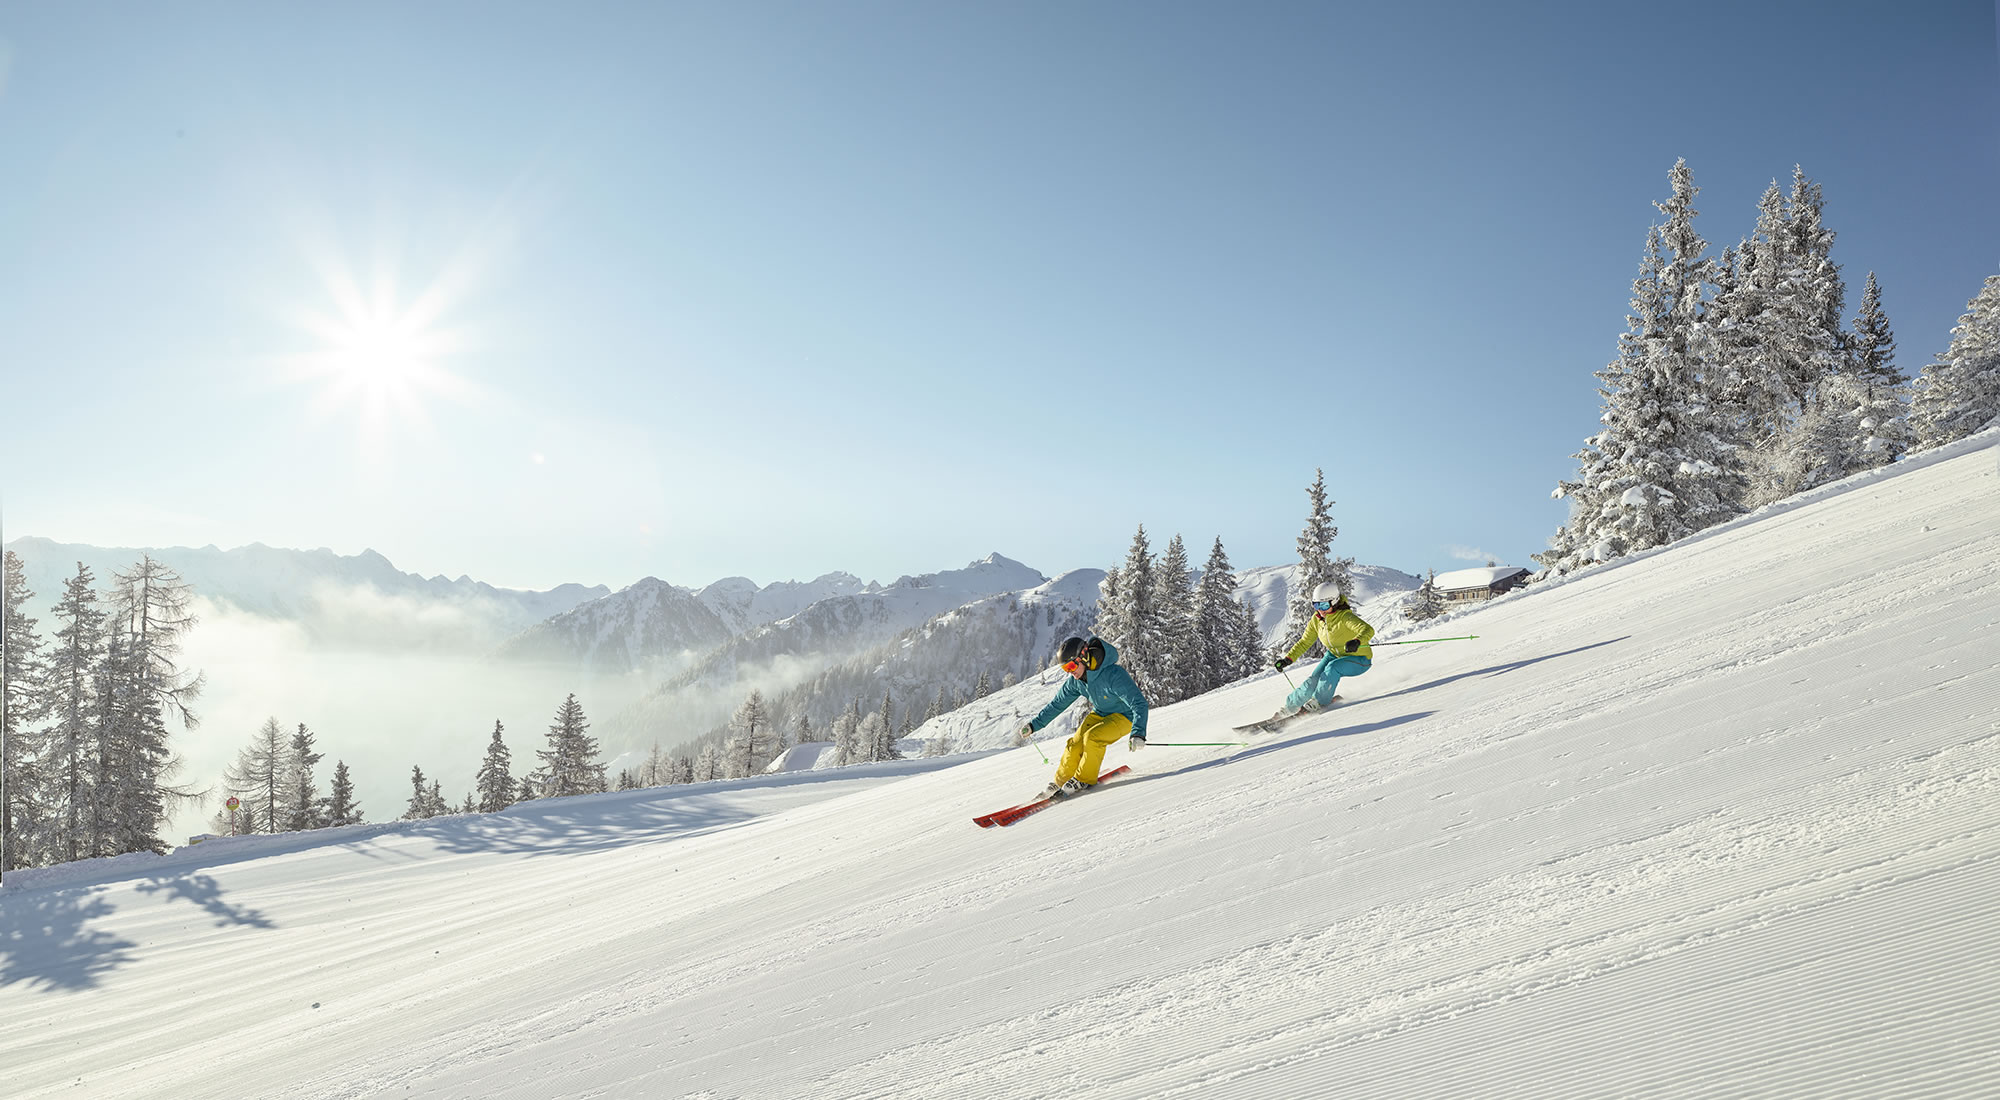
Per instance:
{"type": "Point", "coordinates": [1718, 820]}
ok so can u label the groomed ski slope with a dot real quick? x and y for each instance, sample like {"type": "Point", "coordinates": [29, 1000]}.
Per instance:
{"type": "Point", "coordinates": [1722, 820]}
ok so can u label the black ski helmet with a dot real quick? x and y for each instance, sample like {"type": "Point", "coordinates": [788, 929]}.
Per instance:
{"type": "Point", "coordinates": [1092, 652]}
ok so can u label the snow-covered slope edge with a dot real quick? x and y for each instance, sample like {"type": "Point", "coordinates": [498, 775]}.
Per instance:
{"type": "Point", "coordinates": [1722, 821]}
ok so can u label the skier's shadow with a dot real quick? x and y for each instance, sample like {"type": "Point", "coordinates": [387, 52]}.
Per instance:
{"type": "Point", "coordinates": [1372, 727]}
{"type": "Point", "coordinates": [1291, 743]}
{"type": "Point", "coordinates": [1494, 670]}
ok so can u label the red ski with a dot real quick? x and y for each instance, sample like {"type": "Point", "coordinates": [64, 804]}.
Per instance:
{"type": "Point", "coordinates": [1010, 816]}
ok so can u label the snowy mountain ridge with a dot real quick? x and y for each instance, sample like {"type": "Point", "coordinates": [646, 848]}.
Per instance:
{"type": "Point", "coordinates": [338, 598]}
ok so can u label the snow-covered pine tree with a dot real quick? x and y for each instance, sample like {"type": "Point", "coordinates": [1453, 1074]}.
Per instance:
{"type": "Point", "coordinates": [25, 826]}
{"type": "Point", "coordinates": [495, 780]}
{"type": "Point", "coordinates": [304, 808]}
{"type": "Point", "coordinates": [805, 733]}
{"type": "Point", "coordinates": [1249, 639]}
{"type": "Point", "coordinates": [434, 802]}
{"type": "Point", "coordinates": [1316, 561]}
{"type": "Point", "coordinates": [750, 748]}
{"type": "Point", "coordinates": [847, 747]}
{"type": "Point", "coordinates": [140, 687]}
{"type": "Point", "coordinates": [707, 764]}
{"type": "Point", "coordinates": [1960, 393]}
{"type": "Point", "coordinates": [256, 779]}
{"type": "Point", "coordinates": [1180, 662]}
{"type": "Point", "coordinates": [419, 807]}
{"type": "Point", "coordinates": [984, 687]}
{"type": "Point", "coordinates": [1663, 467]}
{"type": "Point", "coordinates": [1215, 622]}
{"type": "Point", "coordinates": [1134, 613]}
{"type": "Point", "coordinates": [883, 745]}
{"type": "Point", "coordinates": [1746, 320]}
{"type": "Point", "coordinates": [1426, 603]}
{"type": "Point", "coordinates": [1782, 350]}
{"type": "Point", "coordinates": [1112, 607]}
{"type": "Point", "coordinates": [72, 743]}
{"type": "Point", "coordinates": [570, 764]}
{"type": "Point", "coordinates": [527, 792]}
{"type": "Point", "coordinates": [341, 807]}
{"type": "Point", "coordinates": [1880, 417]}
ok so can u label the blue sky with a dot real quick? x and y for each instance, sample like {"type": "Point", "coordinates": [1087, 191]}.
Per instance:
{"type": "Point", "coordinates": [547, 293]}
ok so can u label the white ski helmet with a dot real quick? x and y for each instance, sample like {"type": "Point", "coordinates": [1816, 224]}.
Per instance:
{"type": "Point", "coordinates": [1328, 591]}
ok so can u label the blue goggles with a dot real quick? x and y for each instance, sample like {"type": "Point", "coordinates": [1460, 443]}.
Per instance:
{"type": "Point", "coordinates": [1322, 605]}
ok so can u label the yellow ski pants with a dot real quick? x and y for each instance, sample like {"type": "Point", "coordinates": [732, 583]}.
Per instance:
{"type": "Point", "coordinates": [1083, 753]}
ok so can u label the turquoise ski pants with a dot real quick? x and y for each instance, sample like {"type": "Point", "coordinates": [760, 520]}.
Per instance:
{"type": "Point", "coordinates": [1323, 681]}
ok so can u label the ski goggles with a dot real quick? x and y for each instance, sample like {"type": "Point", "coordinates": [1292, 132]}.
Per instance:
{"type": "Point", "coordinates": [1076, 667]}
{"type": "Point", "coordinates": [1322, 605]}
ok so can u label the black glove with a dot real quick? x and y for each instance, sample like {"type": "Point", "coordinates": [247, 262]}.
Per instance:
{"type": "Point", "coordinates": [1353, 644]}
{"type": "Point", "coordinates": [1282, 663]}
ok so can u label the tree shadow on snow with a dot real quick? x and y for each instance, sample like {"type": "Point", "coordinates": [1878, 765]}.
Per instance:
{"type": "Point", "coordinates": [202, 890]}
{"type": "Point", "coordinates": [532, 829]}
{"type": "Point", "coordinates": [45, 941]}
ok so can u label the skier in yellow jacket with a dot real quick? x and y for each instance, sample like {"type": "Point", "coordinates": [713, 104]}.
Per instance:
{"type": "Point", "coordinates": [1344, 635]}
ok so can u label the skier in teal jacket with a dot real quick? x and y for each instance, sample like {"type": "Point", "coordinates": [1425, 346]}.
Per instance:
{"type": "Point", "coordinates": [1117, 711]}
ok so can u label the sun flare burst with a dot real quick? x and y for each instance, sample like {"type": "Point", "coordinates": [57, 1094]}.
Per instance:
{"type": "Point", "coordinates": [378, 358]}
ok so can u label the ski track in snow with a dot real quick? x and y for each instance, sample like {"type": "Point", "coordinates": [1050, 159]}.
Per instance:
{"type": "Point", "coordinates": [1722, 821]}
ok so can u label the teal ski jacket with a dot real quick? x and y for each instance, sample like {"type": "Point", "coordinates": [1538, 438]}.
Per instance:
{"type": "Point", "coordinates": [1109, 688]}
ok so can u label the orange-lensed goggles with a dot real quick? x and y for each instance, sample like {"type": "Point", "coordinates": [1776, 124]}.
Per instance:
{"type": "Point", "coordinates": [1076, 667]}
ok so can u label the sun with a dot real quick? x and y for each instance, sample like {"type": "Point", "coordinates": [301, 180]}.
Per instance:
{"type": "Point", "coordinates": [378, 360]}
{"type": "Point", "coordinates": [377, 357]}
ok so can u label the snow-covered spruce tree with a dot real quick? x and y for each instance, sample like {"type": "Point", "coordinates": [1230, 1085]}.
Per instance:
{"type": "Point", "coordinates": [1316, 561]}
{"type": "Point", "coordinates": [495, 781]}
{"type": "Point", "coordinates": [1663, 467]}
{"type": "Point", "coordinates": [1218, 657]}
{"type": "Point", "coordinates": [883, 745]}
{"type": "Point", "coordinates": [1960, 393]}
{"type": "Point", "coordinates": [72, 743]}
{"type": "Point", "coordinates": [570, 764]}
{"type": "Point", "coordinates": [1180, 676]}
{"type": "Point", "coordinates": [1781, 352]}
{"type": "Point", "coordinates": [434, 802]}
{"type": "Point", "coordinates": [341, 807]}
{"type": "Point", "coordinates": [25, 826]}
{"type": "Point", "coordinates": [419, 806]}
{"type": "Point", "coordinates": [256, 778]}
{"type": "Point", "coordinates": [1110, 612]}
{"type": "Point", "coordinates": [1880, 418]}
{"type": "Point", "coordinates": [1134, 616]}
{"type": "Point", "coordinates": [749, 749]}
{"type": "Point", "coordinates": [847, 747]}
{"type": "Point", "coordinates": [804, 734]}
{"type": "Point", "coordinates": [1250, 638]}
{"type": "Point", "coordinates": [116, 692]}
{"type": "Point", "coordinates": [304, 808]}
{"type": "Point", "coordinates": [1426, 603]}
